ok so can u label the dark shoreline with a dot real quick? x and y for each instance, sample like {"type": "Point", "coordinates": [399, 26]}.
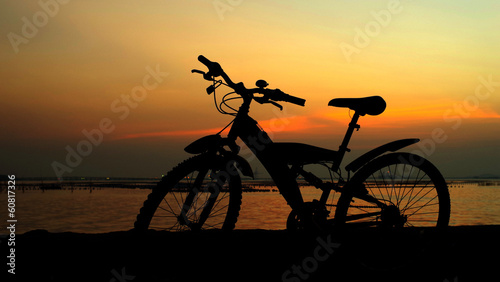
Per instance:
{"type": "Point", "coordinates": [464, 253]}
{"type": "Point", "coordinates": [248, 185]}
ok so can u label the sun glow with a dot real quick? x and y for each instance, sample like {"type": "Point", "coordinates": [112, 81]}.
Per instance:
{"type": "Point", "coordinates": [59, 79]}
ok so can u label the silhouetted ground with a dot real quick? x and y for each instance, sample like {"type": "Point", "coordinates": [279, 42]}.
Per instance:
{"type": "Point", "coordinates": [467, 253]}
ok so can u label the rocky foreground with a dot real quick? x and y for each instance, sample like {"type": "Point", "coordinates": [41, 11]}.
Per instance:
{"type": "Point", "coordinates": [463, 253]}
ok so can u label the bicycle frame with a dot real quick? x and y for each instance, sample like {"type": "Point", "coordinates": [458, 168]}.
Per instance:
{"type": "Point", "coordinates": [259, 142]}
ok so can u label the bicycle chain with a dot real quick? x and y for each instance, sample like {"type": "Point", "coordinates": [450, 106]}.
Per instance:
{"type": "Point", "coordinates": [360, 207]}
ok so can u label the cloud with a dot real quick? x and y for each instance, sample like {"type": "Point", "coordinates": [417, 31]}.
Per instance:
{"type": "Point", "coordinates": [288, 124]}
{"type": "Point", "coordinates": [174, 133]}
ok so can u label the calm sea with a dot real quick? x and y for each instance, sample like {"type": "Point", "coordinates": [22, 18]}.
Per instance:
{"type": "Point", "coordinates": [115, 209]}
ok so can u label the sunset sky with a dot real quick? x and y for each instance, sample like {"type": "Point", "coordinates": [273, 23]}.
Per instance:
{"type": "Point", "coordinates": [121, 70]}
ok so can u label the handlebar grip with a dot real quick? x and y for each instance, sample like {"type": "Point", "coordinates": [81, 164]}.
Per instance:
{"type": "Point", "coordinates": [204, 61]}
{"type": "Point", "coordinates": [295, 100]}
{"type": "Point", "coordinates": [214, 69]}
{"type": "Point", "coordinates": [281, 96]}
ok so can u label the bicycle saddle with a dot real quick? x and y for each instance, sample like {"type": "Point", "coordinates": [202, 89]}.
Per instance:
{"type": "Point", "coordinates": [374, 105]}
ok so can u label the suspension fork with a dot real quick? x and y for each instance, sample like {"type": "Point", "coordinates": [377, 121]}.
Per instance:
{"type": "Point", "coordinates": [209, 204]}
{"type": "Point", "coordinates": [194, 191]}
{"type": "Point", "coordinates": [213, 188]}
{"type": "Point", "coordinates": [183, 217]}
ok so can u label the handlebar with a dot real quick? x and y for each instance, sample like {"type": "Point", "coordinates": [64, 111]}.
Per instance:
{"type": "Point", "coordinates": [215, 70]}
{"type": "Point", "coordinates": [279, 95]}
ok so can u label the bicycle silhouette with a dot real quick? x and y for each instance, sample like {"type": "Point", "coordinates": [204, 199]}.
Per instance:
{"type": "Point", "coordinates": [388, 188]}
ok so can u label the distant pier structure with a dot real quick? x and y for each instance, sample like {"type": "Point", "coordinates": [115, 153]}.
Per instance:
{"type": "Point", "coordinates": [473, 182]}
{"type": "Point", "coordinates": [249, 185]}
{"type": "Point", "coordinates": [80, 183]}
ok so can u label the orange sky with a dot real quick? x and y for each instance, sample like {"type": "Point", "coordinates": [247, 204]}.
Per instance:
{"type": "Point", "coordinates": [67, 67]}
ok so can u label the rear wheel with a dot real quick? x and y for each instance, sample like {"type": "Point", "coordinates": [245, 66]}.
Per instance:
{"type": "Point", "coordinates": [407, 198]}
{"type": "Point", "coordinates": [203, 192]}
{"type": "Point", "coordinates": [409, 190]}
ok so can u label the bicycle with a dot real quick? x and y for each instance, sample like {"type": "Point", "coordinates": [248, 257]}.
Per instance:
{"type": "Point", "coordinates": [388, 188]}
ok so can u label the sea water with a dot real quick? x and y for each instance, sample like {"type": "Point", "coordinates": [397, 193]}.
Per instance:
{"type": "Point", "coordinates": [115, 209]}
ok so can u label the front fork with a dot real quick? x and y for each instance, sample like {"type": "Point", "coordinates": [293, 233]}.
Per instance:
{"type": "Point", "coordinates": [183, 218]}
{"type": "Point", "coordinates": [214, 190]}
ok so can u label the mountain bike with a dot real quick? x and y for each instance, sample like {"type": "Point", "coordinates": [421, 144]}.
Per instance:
{"type": "Point", "coordinates": [387, 189]}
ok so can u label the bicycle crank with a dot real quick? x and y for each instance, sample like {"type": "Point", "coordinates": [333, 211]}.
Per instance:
{"type": "Point", "coordinates": [313, 216]}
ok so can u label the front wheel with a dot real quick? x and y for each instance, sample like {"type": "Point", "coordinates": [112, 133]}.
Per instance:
{"type": "Point", "coordinates": [203, 192]}
{"type": "Point", "coordinates": [395, 190]}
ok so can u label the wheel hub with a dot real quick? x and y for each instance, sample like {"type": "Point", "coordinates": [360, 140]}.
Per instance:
{"type": "Point", "coordinates": [392, 217]}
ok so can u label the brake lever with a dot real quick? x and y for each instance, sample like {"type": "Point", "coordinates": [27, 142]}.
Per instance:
{"type": "Point", "coordinates": [277, 105]}
{"type": "Point", "coordinates": [264, 100]}
{"type": "Point", "coordinates": [197, 71]}
{"type": "Point", "coordinates": [261, 100]}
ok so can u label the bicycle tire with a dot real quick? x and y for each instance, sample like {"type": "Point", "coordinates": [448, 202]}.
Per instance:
{"type": "Point", "coordinates": [393, 172]}
{"type": "Point", "coordinates": [158, 211]}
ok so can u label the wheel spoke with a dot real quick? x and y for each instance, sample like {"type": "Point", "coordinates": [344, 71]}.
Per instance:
{"type": "Point", "coordinates": [171, 210]}
{"type": "Point", "coordinates": [410, 200]}
{"type": "Point", "coordinates": [425, 205]}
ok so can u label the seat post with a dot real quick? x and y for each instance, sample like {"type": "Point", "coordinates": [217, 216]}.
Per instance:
{"type": "Point", "coordinates": [343, 147]}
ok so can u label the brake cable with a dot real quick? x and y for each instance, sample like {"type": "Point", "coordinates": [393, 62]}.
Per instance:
{"type": "Point", "coordinates": [224, 102]}
{"type": "Point", "coordinates": [225, 127]}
